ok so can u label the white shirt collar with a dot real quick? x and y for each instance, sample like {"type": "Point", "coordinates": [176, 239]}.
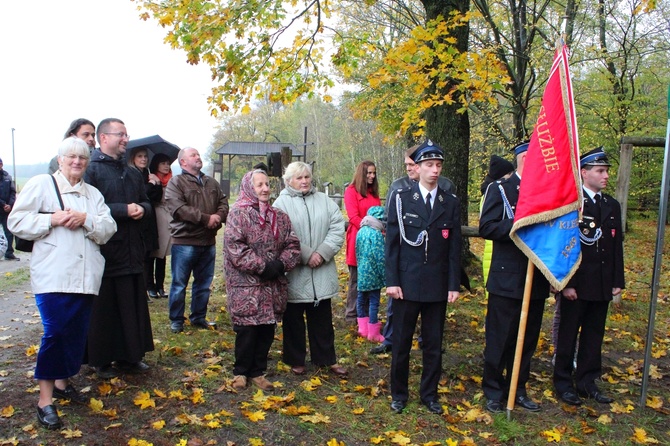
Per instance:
{"type": "Point", "coordinates": [591, 193]}
{"type": "Point", "coordinates": [425, 191]}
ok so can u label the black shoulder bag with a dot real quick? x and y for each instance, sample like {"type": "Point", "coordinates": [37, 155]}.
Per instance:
{"type": "Point", "coordinates": [27, 245]}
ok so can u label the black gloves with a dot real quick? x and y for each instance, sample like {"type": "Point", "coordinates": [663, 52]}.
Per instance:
{"type": "Point", "coordinates": [273, 269]}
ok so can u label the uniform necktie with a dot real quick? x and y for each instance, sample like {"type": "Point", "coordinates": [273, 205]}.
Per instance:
{"type": "Point", "coordinates": [429, 209]}
{"type": "Point", "coordinates": [597, 200]}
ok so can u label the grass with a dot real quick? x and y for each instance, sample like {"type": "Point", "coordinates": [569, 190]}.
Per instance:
{"type": "Point", "coordinates": [320, 409]}
{"type": "Point", "coordinates": [11, 280]}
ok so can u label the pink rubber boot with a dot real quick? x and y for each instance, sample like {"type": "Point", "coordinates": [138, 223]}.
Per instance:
{"type": "Point", "coordinates": [363, 326]}
{"type": "Point", "coordinates": [373, 332]}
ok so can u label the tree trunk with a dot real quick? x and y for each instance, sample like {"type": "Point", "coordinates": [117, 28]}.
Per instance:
{"type": "Point", "coordinates": [447, 128]}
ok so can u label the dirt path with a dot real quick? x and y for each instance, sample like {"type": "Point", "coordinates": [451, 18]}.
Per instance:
{"type": "Point", "coordinates": [17, 304]}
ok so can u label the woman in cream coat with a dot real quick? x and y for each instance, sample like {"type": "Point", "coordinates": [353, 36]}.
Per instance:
{"type": "Point", "coordinates": [65, 268]}
{"type": "Point", "coordinates": [319, 224]}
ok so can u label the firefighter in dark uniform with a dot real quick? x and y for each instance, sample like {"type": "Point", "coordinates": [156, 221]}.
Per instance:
{"type": "Point", "coordinates": [423, 254]}
{"type": "Point", "coordinates": [586, 298]}
{"type": "Point", "coordinates": [505, 284]}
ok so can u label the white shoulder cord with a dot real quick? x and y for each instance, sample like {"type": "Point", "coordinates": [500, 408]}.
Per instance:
{"type": "Point", "coordinates": [507, 207]}
{"type": "Point", "coordinates": [423, 235]}
{"type": "Point", "coordinates": [591, 240]}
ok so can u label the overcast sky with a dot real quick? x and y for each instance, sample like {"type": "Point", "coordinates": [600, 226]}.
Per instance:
{"type": "Point", "coordinates": [93, 59]}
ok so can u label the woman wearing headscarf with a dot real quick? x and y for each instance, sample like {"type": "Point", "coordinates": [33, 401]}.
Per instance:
{"type": "Point", "coordinates": [65, 268]}
{"type": "Point", "coordinates": [318, 223]}
{"type": "Point", "coordinates": [259, 248]}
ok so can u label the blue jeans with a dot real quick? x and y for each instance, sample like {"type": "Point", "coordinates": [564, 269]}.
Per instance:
{"type": "Point", "coordinates": [368, 305]}
{"type": "Point", "coordinates": [200, 261]}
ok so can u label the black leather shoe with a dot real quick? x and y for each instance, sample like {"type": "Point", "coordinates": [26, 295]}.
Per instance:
{"type": "Point", "coordinates": [70, 393]}
{"type": "Point", "coordinates": [11, 257]}
{"type": "Point", "coordinates": [133, 367]}
{"type": "Point", "coordinates": [398, 406]}
{"type": "Point", "coordinates": [434, 407]}
{"type": "Point", "coordinates": [204, 325]}
{"type": "Point", "coordinates": [176, 328]}
{"type": "Point", "coordinates": [571, 398]}
{"type": "Point", "coordinates": [382, 348]}
{"type": "Point", "coordinates": [598, 396]}
{"type": "Point", "coordinates": [48, 417]}
{"type": "Point", "coordinates": [152, 294]}
{"type": "Point", "coordinates": [161, 293]}
{"type": "Point", "coordinates": [527, 403]}
{"type": "Point", "coordinates": [495, 406]}
{"type": "Point", "coordinates": [106, 372]}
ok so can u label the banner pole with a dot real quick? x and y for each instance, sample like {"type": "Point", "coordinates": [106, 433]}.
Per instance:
{"type": "Point", "coordinates": [658, 257]}
{"type": "Point", "coordinates": [521, 336]}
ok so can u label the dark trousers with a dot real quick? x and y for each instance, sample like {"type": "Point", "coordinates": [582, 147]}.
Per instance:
{"type": "Point", "coordinates": [8, 235]}
{"type": "Point", "coordinates": [252, 345]}
{"type": "Point", "coordinates": [590, 317]}
{"type": "Point", "coordinates": [502, 326]}
{"type": "Point", "coordinates": [319, 331]}
{"type": "Point", "coordinates": [405, 315]}
{"type": "Point", "coordinates": [154, 272]}
{"type": "Point", "coordinates": [387, 332]}
{"type": "Point", "coordinates": [350, 313]}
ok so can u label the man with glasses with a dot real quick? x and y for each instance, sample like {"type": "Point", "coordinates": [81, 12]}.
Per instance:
{"type": "Point", "coordinates": [120, 330]}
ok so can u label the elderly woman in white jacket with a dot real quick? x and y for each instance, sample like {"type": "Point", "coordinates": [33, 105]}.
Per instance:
{"type": "Point", "coordinates": [319, 224]}
{"type": "Point", "coordinates": [65, 267]}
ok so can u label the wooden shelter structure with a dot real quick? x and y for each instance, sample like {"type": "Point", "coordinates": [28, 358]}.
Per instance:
{"type": "Point", "coordinates": [265, 150]}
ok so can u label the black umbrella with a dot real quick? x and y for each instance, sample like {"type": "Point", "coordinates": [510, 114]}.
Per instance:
{"type": "Point", "coordinates": [154, 145]}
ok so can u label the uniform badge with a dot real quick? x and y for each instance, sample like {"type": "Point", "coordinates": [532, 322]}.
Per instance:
{"type": "Point", "coordinates": [585, 231]}
{"type": "Point", "coordinates": [415, 196]}
{"type": "Point", "coordinates": [439, 197]}
{"type": "Point", "coordinates": [613, 233]}
{"type": "Point", "coordinates": [592, 225]}
{"type": "Point", "coordinates": [445, 234]}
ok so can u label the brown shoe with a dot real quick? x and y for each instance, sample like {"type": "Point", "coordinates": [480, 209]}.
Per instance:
{"type": "Point", "coordinates": [339, 370]}
{"type": "Point", "coordinates": [239, 382]}
{"type": "Point", "coordinates": [298, 369]}
{"type": "Point", "coordinates": [262, 383]}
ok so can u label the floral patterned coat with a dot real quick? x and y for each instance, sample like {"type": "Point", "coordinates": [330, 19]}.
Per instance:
{"type": "Point", "coordinates": [247, 246]}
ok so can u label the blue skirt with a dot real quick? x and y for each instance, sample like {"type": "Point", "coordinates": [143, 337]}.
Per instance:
{"type": "Point", "coordinates": [65, 318]}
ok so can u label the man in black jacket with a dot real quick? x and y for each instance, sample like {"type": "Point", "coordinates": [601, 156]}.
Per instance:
{"type": "Point", "coordinates": [423, 253]}
{"type": "Point", "coordinates": [7, 198]}
{"type": "Point", "coordinates": [120, 330]}
{"type": "Point", "coordinates": [505, 284]}
{"type": "Point", "coordinates": [585, 300]}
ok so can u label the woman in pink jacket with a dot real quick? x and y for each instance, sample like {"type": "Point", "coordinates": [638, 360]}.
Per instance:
{"type": "Point", "coordinates": [361, 194]}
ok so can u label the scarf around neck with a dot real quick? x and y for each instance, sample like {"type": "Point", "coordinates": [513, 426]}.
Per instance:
{"type": "Point", "coordinates": [164, 177]}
